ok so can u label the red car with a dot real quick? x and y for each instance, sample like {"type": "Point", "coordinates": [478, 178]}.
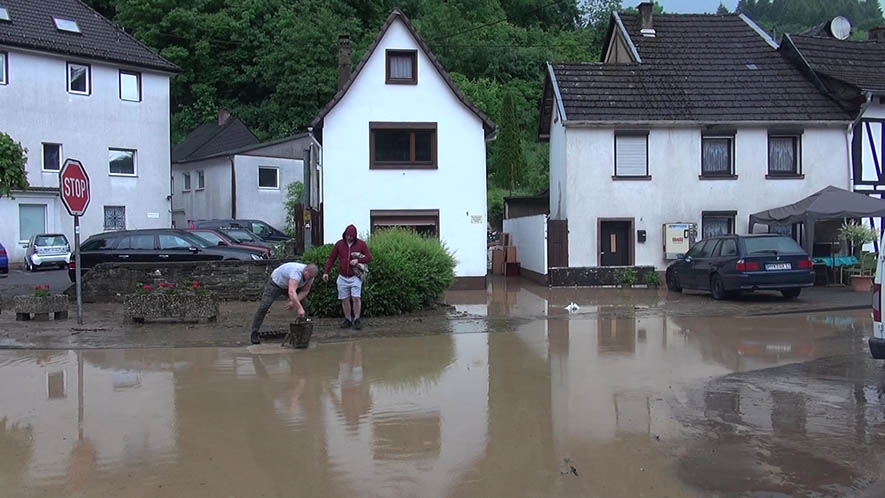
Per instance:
{"type": "Point", "coordinates": [218, 238]}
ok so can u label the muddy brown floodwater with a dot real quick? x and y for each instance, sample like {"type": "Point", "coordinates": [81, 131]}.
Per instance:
{"type": "Point", "coordinates": [570, 405]}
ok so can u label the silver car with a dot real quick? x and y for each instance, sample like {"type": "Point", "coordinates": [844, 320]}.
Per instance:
{"type": "Point", "coordinates": [47, 249]}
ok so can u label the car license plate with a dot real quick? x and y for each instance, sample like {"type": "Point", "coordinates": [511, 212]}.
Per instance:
{"type": "Point", "coordinates": [779, 266]}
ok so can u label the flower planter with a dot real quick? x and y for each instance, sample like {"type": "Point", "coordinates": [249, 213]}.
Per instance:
{"type": "Point", "coordinates": [179, 306]}
{"type": "Point", "coordinates": [41, 308]}
{"type": "Point", "coordinates": [862, 283]}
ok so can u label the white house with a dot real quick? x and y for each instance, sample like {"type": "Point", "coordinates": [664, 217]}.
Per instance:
{"type": "Point", "coordinates": [688, 119]}
{"type": "Point", "coordinates": [221, 171]}
{"type": "Point", "coordinates": [401, 145]}
{"type": "Point", "coordinates": [74, 85]}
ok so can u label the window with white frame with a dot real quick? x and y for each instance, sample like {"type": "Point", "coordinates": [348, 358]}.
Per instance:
{"type": "Point", "coordinates": [717, 155]}
{"type": "Point", "coordinates": [187, 182]}
{"type": "Point", "coordinates": [130, 86]}
{"type": "Point", "coordinates": [631, 154]}
{"type": "Point", "coordinates": [51, 157]}
{"type": "Point", "coordinates": [4, 68]}
{"type": "Point", "coordinates": [201, 180]}
{"type": "Point", "coordinates": [115, 217]}
{"type": "Point", "coordinates": [66, 25]}
{"type": "Point", "coordinates": [121, 162]}
{"type": "Point", "coordinates": [784, 154]}
{"type": "Point", "coordinates": [31, 220]}
{"type": "Point", "coordinates": [79, 78]}
{"type": "Point", "coordinates": [268, 177]}
{"type": "Point", "coordinates": [715, 223]}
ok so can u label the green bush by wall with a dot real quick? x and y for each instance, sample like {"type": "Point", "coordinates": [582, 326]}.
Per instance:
{"type": "Point", "coordinates": [407, 273]}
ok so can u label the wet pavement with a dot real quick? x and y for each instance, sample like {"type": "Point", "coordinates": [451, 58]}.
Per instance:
{"type": "Point", "coordinates": [521, 398]}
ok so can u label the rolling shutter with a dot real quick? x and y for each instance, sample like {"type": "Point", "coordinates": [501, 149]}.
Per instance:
{"type": "Point", "coordinates": [631, 155]}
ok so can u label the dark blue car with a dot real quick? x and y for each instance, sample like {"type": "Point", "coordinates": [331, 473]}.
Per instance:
{"type": "Point", "coordinates": [743, 263]}
{"type": "Point", "coordinates": [4, 262]}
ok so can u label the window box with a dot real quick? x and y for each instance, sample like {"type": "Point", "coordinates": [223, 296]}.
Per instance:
{"type": "Point", "coordinates": [130, 86]}
{"type": "Point", "coordinates": [631, 154]}
{"type": "Point", "coordinates": [79, 78]}
{"type": "Point", "coordinates": [401, 67]}
{"type": "Point", "coordinates": [41, 308]}
{"type": "Point", "coordinates": [717, 177]}
{"type": "Point", "coordinates": [268, 178]}
{"type": "Point", "coordinates": [784, 177]}
{"type": "Point", "coordinates": [180, 305]}
{"type": "Point", "coordinates": [52, 157]}
{"type": "Point", "coordinates": [402, 146]}
{"type": "Point", "coordinates": [631, 178]}
{"type": "Point", "coordinates": [121, 162]}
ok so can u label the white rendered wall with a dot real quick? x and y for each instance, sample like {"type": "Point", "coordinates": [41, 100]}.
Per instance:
{"type": "Point", "coordinates": [529, 235]}
{"type": "Point", "coordinates": [558, 178]}
{"type": "Point", "coordinates": [212, 202]}
{"type": "Point", "coordinates": [268, 205]}
{"type": "Point", "coordinates": [457, 188]}
{"type": "Point", "coordinates": [37, 108]}
{"type": "Point", "coordinates": [675, 193]}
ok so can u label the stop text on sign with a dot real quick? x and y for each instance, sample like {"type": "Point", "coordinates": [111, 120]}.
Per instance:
{"type": "Point", "coordinates": [74, 187]}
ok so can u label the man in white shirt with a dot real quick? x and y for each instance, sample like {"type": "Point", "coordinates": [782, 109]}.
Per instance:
{"type": "Point", "coordinates": [294, 279]}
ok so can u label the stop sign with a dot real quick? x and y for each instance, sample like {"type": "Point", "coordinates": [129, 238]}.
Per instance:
{"type": "Point", "coordinates": [73, 185]}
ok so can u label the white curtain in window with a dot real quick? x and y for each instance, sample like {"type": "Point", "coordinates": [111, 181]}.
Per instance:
{"type": "Point", "coordinates": [401, 67]}
{"type": "Point", "coordinates": [31, 220]}
{"type": "Point", "coordinates": [781, 154]}
{"type": "Point", "coordinates": [716, 155]}
{"type": "Point", "coordinates": [714, 226]}
{"type": "Point", "coordinates": [631, 157]}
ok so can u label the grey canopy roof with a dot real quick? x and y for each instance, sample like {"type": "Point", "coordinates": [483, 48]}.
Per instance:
{"type": "Point", "coordinates": [830, 203]}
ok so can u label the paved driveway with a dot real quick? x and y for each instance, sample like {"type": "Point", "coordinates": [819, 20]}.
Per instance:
{"type": "Point", "coordinates": [22, 282]}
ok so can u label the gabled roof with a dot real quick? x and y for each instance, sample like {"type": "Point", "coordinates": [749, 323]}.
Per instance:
{"type": "Point", "coordinates": [31, 26]}
{"type": "Point", "coordinates": [397, 14]}
{"type": "Point", "coordinates": [697, 68]}
{"type": "Point", "coordinates": [211, 140]}
{"type": "Point", "coordinates": [857, 63]}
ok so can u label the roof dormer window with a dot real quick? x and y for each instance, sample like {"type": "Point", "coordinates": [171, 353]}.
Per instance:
{"type": "Point", "coordinates": [4, 14]}
{"type": "Point", "coordinates": [66, 25]}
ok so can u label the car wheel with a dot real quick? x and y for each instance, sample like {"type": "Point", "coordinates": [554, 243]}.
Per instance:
{"type": "Point", "coordinates": [717, 288]}
{"type": "Point", "coordinates": [791, 293]}
{"type": "Point", "coordinates": [28, 265]}
{"type": "Point", "coordinates": [673, 283]}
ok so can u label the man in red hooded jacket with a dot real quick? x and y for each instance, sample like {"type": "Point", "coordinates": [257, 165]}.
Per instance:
{"type": "Point", "coordinates": [349, 251]}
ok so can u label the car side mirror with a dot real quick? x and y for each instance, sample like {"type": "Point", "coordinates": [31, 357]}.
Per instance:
{"type": "Point", "coordinates": [194, 249]}
{"type": "Point", "coordinates": [680, 256]}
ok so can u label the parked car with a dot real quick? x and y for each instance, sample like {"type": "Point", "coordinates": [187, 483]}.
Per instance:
{"type": "Point", "coordinates": [743, 263]}
{"type": "Point", "coordinates": [219, 238]}
{"type": "Point", "coordinates": [47, 249]}
{"type": "Point", "coordinates": [244, 236]}
{"type": "Point", "coordinates": [258, 227]}
{"type": "Point", "coordinates": [877, 341]}
{"type": "Point", "coordinates": [153, 246]}
{"type": "Point", "coordinates": [4, 262]}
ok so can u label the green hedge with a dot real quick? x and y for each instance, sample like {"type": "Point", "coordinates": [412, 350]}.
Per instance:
{"type": "Point", "coordinates": [407, 273]}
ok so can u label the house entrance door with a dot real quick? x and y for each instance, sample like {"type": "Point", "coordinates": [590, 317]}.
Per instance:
{"type": "Point", "coordinates": [614, 243]}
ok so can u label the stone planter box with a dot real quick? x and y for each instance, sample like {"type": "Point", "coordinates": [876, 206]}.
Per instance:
{"type": "Point", "coordinates": [179, 306]}
{"type": "Point", "coordinates": [41, 308]}
{"type": "Point", "coordinates": [862, 283]}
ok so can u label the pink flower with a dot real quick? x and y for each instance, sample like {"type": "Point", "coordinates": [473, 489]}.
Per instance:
{"type": "Point", "coordinates": [196, 285]}
{"type": "Point", "coordinates": [38, 288]}
{"type": "Point", "coordinates": [163, 285]}
{"type": "Point", "coordinates": [46, 287]}
{"type": "Point", "coordinates": [147, 287]}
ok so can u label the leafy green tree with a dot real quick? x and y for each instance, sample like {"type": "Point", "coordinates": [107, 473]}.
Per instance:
{"type": "Point", "coordinates": [510, 155]}
{"type": "Point", "coordinates": [12, 166]}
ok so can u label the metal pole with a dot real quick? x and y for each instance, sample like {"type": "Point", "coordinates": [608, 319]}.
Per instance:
{"type": "Point", "coordinates": [77, 270]}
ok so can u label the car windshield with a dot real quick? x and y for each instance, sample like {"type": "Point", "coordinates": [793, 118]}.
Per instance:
{"type": "Point", "coordinates": [202, 244]}
{"type": "Point", "coordinates": [772, 245]}
{"type": "Point", "coordinates": [50, 240]}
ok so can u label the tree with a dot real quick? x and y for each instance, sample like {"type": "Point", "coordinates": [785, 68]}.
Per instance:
{"type": "Point", "coordinates": [12, 166]}
{"type": "Point", "coordinates": [722, 10]}
{"type": "Point", "coordinates": [510, 160]}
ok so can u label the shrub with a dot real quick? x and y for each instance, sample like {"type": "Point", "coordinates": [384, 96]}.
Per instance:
{"type": "Point", "coordinates": [652, 279]}
{"type": "Point", "coordinates": [627, 276]}
{"type": "Point", "coordinates": [408, 272]}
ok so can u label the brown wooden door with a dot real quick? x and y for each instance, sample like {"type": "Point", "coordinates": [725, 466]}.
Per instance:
{"type": "Point", "coordinates": [557, 243]}
{"type": "Point", "coordinates": [614, 247]}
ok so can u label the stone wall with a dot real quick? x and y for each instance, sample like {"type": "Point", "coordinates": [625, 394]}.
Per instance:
{"type": "Point", "coordinates": [231, 280]}
{"type": "Point", "coordinates": [593, 276]}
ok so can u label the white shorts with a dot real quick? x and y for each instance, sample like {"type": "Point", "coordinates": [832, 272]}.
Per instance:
{"type": "Point", "coordinates": [349, 287]}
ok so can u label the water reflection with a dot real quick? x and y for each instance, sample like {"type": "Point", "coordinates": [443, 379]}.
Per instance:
{"type": "Point", "coordinates": [634, 404]}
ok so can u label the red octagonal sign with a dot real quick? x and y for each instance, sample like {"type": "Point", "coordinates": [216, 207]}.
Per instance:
{"type": "Point", "coordinates": [73, 185]}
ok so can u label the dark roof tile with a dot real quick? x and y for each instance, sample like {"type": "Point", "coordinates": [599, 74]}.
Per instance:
{"type": "Point", "coordinates": [858, 63]}
{"type": "Point", "coordinates": [210, 140]}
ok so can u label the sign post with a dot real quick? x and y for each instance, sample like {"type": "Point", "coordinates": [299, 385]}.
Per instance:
{"type": "Point", "coordinates": [73, 186]}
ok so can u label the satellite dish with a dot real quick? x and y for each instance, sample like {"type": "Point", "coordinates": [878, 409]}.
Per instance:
{"type": "Point", "coordinates": [840, 27]}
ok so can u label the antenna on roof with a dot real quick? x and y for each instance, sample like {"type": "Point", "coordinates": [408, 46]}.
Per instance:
{"type": "Point", "coordinates": [840, 28]}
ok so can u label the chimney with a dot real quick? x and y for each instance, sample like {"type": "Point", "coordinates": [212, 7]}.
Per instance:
{"type": "Point", "coordinates": [343, 60]}
{"type": "Point", "coordinates": [646, 9]}
{"type": "Point", "coordinates": [223, 116]}
{"type": "Point", "coordinates": [877, 33]}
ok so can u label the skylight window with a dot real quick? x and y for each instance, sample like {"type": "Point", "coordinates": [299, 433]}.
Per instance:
{"type": "Point", "coordinates": [66, 25]}
{"type": "Point", "coordinates": [4, 14]}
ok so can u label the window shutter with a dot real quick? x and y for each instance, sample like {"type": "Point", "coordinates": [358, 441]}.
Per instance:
{"type": "Point", "coordinates": [631, 156]}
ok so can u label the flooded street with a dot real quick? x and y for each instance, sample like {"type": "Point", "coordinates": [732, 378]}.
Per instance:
{"type": "Point", "coordinates": [609, 405]}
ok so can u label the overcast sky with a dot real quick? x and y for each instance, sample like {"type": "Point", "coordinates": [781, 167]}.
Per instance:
{"type": "Point", "coordinates": [692, 5]}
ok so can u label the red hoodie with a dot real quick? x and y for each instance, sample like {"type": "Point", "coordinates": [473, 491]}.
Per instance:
{"type": "Point", "coordinates": [341, 252]}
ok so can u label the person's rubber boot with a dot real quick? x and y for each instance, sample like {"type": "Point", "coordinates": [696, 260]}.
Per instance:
{"type": "Point", "coordinates": [357, 325]}
{"type": "Point", "coordinates": [347, 324]}
{"type": "Point", "coordinates": [254, 338]}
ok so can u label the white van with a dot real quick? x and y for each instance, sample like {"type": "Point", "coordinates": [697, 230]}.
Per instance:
{"type": "Point", "coordinates": [877, 341]}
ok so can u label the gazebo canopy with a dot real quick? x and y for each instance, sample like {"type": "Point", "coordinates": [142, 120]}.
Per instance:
{"type": "Point", "coordinates": [830, 203]}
